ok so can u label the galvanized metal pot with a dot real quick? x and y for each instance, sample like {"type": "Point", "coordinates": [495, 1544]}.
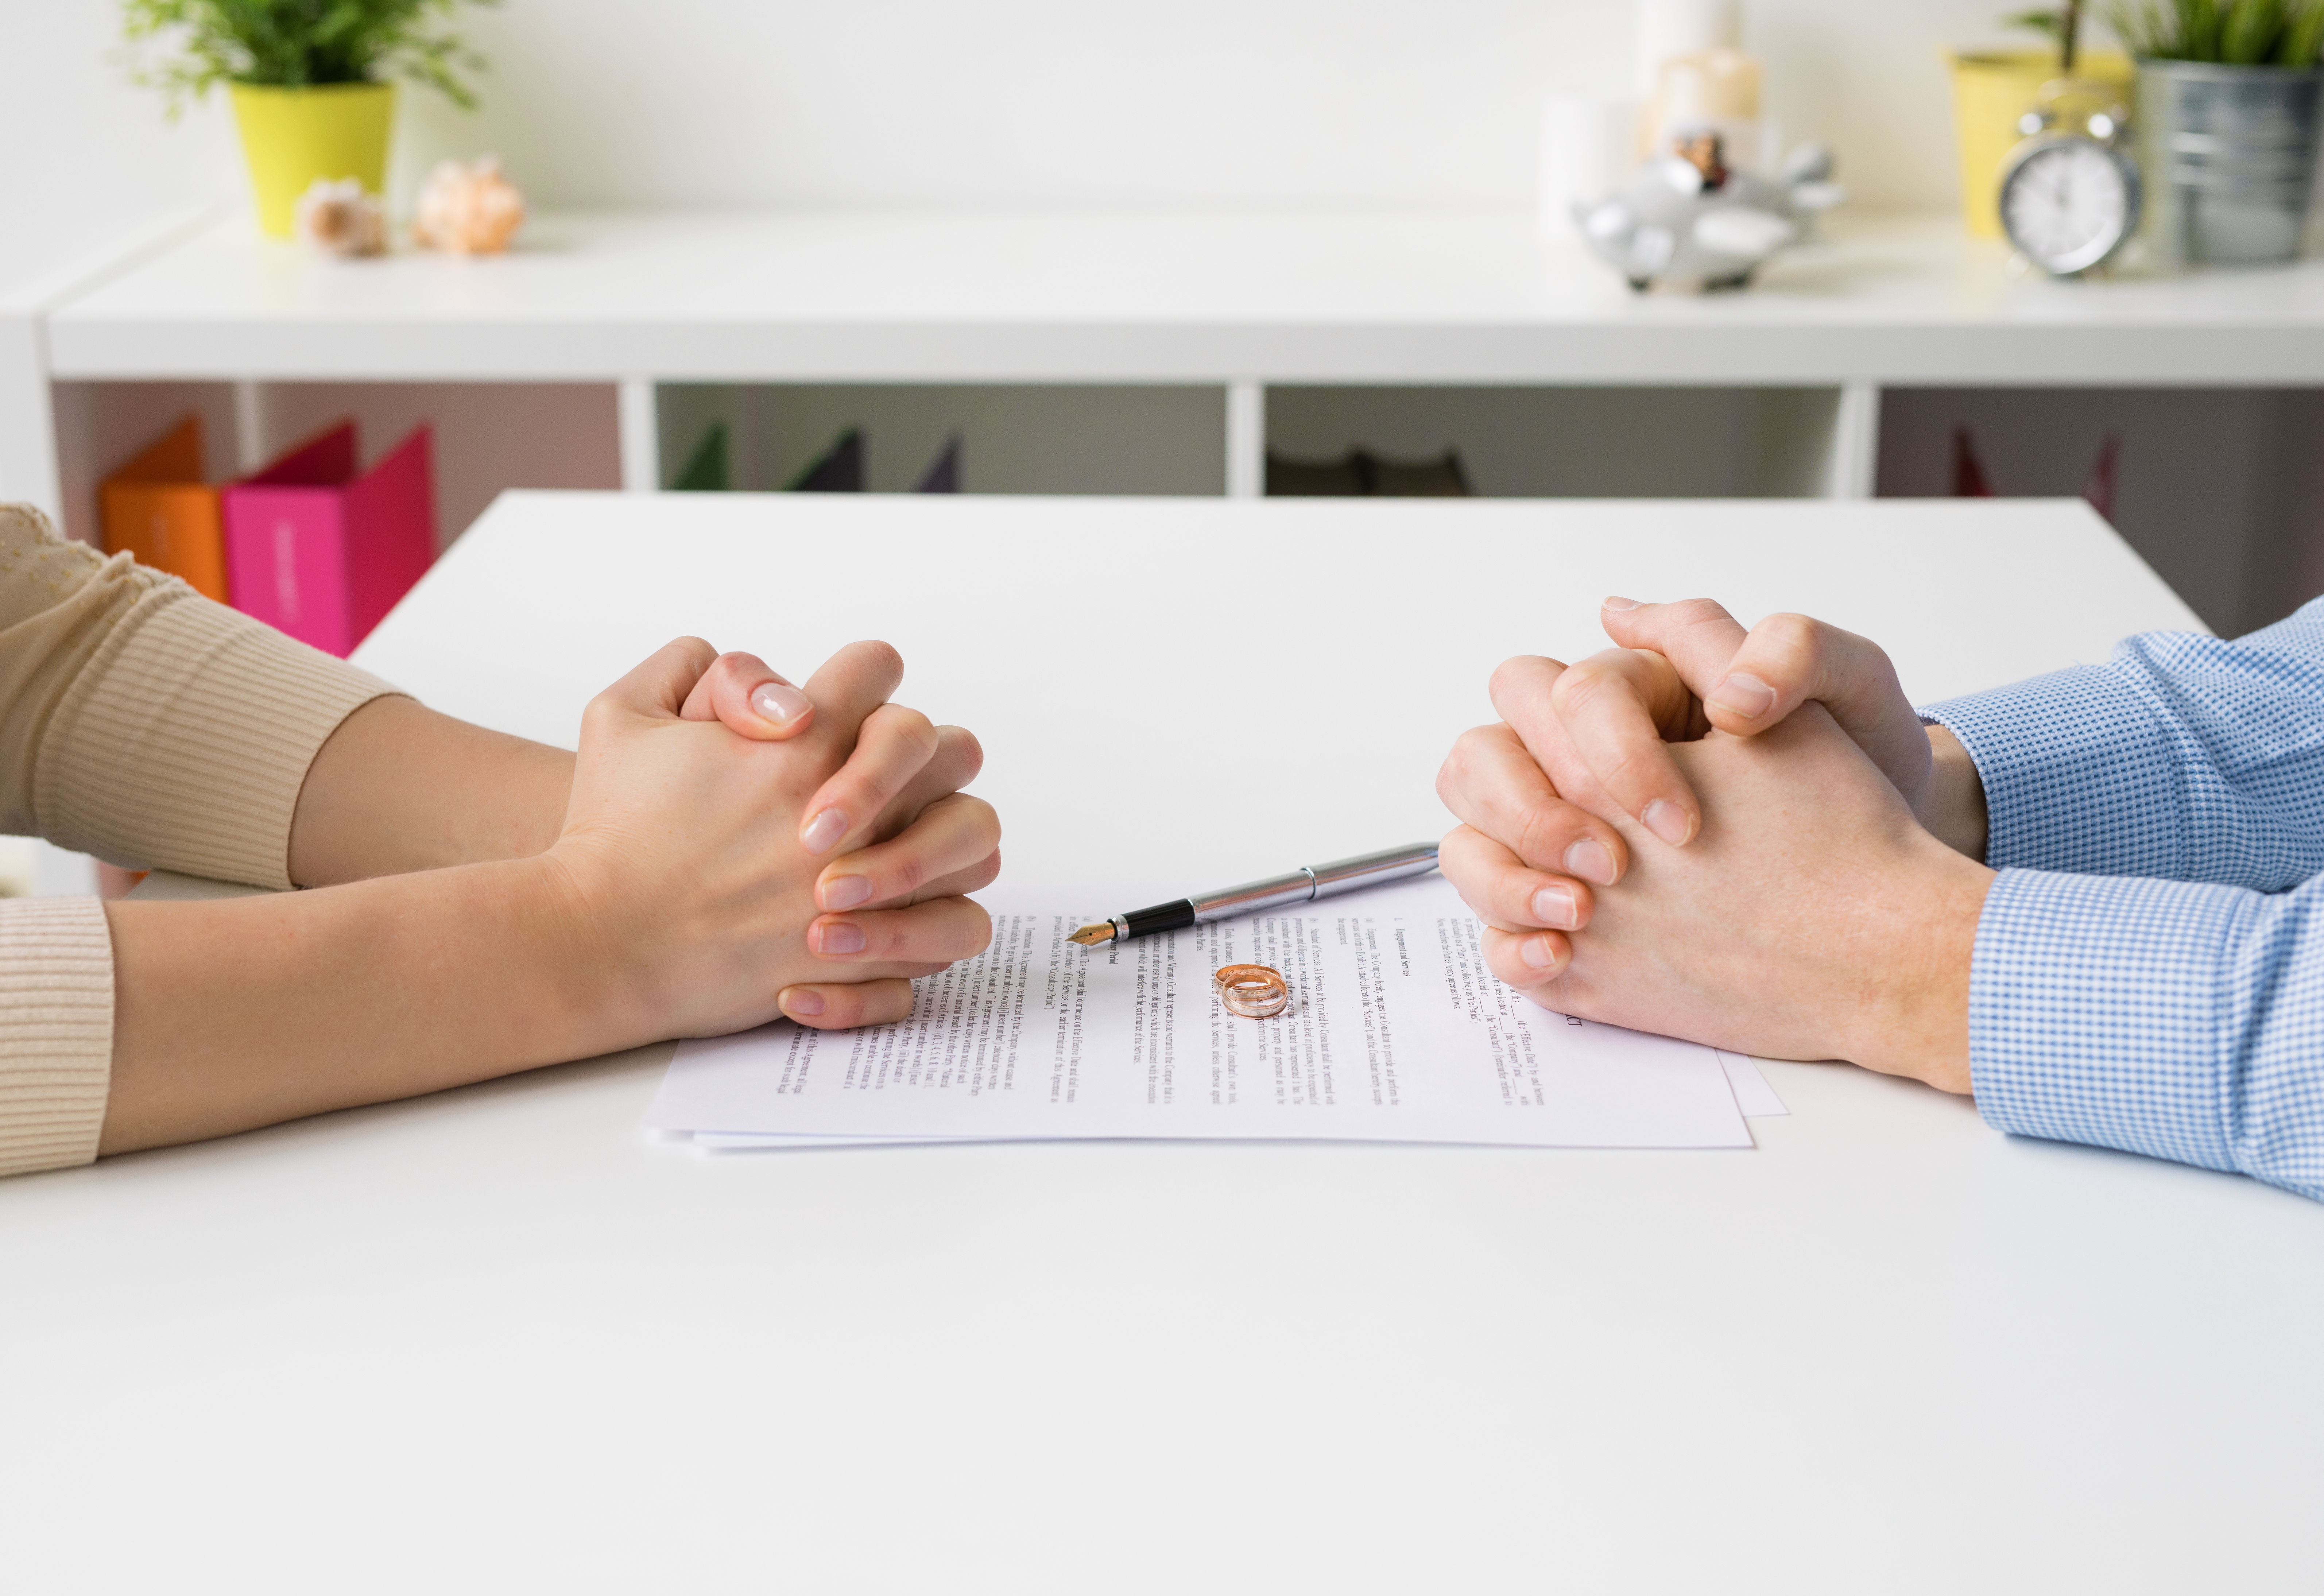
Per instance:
{"type": "Point", "coordinates": [2230, 155]}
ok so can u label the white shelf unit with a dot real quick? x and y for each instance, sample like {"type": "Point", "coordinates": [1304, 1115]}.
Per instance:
{"type": "Point", "coordinates": [1166, 353]}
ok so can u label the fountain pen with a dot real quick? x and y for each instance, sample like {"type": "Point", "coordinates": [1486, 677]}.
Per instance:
{"type": "Point", "coordinates": [1303, 885]}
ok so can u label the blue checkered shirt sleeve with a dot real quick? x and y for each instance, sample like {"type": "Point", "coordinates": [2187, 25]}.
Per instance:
{"type": "Point", "coordinates": [2149, 970]}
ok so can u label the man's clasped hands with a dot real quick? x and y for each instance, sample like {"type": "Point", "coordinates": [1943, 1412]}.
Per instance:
{"type": "Point", "coordinates": [1744, 839]}
{"type": "Point", "coordinates": [1749, 841]}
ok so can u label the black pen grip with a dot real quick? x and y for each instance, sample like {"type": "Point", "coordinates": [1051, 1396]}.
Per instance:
{"type": "Point", "coordinates": [1163, 916]}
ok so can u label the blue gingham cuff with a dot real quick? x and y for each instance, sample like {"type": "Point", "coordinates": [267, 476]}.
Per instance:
{"type": "Point", "coordinates": [2099, 1008]}
{"type": "Point", "coordinates": [2079, 775]}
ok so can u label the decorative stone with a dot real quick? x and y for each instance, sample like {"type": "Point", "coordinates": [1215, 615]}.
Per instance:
{"type": "Point", "coordinates": [338, 219]}
{"type": "Point", "coordinates": [468, 208]}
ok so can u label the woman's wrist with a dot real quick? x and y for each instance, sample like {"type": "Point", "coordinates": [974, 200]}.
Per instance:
{"type": "Point", "coordinates": [406, 984]}
{"type": "Point", "coordinates": [400, 787]}
{"type": "Point", "coordinates": [585, 959]}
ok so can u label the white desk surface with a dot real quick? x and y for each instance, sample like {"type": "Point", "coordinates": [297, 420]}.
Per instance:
{"type": "Point", "coordinates": [1426, 297]}
{"type": "Point", "coordinates": [500, 1339]}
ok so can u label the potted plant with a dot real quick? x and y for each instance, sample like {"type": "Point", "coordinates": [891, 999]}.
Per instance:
{"type": "Point", "coordinates": [2228, 92]}
{"type": "Point", "coordinates": [310, 80]}
{"type": "Point", "coordinates": [1994, 89]}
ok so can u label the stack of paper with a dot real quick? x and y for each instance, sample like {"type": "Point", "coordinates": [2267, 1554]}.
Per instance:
{"type": "Point", "coordinates": [1396, 1031]}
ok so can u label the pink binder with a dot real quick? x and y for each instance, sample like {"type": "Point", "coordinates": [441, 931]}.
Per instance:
{"type": "Point", "coordinates": [315, 552]}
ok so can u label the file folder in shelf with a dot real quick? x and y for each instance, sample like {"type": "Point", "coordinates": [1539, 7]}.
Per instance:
{"type": "Point", "coordinates": [158, 510]}
{"type": "Point", "coordinates": [320, 552]}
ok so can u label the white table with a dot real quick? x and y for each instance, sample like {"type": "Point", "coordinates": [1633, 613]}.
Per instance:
{"type": "Point", "coordinates": [502, 1339]}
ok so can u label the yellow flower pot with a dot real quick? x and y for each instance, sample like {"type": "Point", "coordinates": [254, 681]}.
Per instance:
{"type": "Point", "coordinates": [1991, 90]}
{"type": "Point", "coordinates": [292, 136]}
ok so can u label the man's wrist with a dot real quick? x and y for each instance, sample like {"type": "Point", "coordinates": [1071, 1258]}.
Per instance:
{"type": "Point", "coordinates": [1918, 1023]}
{"type": "Point", "coordinates": [1954, 811]}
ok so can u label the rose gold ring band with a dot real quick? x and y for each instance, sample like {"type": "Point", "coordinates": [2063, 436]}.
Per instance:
{"type": "Point", "coordinates": [1252, 991]}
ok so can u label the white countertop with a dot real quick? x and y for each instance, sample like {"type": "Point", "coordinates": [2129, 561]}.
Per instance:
{"type": "Point", "coordinates": [1426, 297]}
{"type": "Point", "coordinates": [500, 1339]}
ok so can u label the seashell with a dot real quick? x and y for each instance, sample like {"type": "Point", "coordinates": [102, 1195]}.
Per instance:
{"type": "Point", "coordinates": [338, 219]}
{"type": "Point", "coordinates": [468, 208]}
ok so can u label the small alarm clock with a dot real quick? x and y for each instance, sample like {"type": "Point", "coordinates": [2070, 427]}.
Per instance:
{"type": "Point", "coordinates": [2069, 196]}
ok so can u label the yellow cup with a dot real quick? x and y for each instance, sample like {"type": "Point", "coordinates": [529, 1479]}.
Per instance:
{"type": "Point", "coordinates": [1991, 90]}
{"type": "Point", "coordinates": [292, 136]}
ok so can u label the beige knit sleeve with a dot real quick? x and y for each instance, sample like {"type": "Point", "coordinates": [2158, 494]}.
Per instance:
{"type": "Point", "coordinates": [142, 723]}
{"type": "Point", "coordinates": [146, 724]}
{"type": "Point", "coordinates": [56, 1031]}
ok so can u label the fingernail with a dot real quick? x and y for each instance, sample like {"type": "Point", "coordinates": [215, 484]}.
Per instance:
{"type": "Point", "coordinates": [1619, 604]}
{"type": "Point", "coordinates": [838, 936]}
{"type": "Point", "coordinates": [845, 891]}
{"type": "Point", "coordinates": [1591, 860]}
{"type": "Point", "coordinates": [781, 704]}
{"type": "Point", "coordinates": [801, 1000]}
{"type": "Point", "coordinates": [1554, 906]}
{"type": "Point", "coordinates": [1538, 951]}
{"type": "Point", "coordinates": [1745, 696]}
{"type": "Point", "coordinates": [824, 832]}
{"type": "Point", "coordinates": [1667, 821]}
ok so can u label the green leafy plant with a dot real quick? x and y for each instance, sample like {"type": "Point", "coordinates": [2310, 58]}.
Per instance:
{"type": "Point", "coordinates": [2230, 32]}
{"type": "Point", "coordinates": [185, 48]}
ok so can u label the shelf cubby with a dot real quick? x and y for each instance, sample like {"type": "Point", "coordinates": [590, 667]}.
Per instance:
{"type": "Point", "coordinates": [1015, 438]}
{"type": "Point", "coordinates": [2217, 488]}
{"type": "Point", "coordinates": [1579, 442]}
{"type": "Point", "coordinates": [489, 437]}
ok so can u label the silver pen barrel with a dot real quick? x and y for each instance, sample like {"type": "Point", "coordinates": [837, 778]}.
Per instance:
{"type": "Point", "coordinates": [1251, 897]}
{"type": "Point", "coordinates": [1371, 870]}
{"type": "Point", "coordinates": [1321, 880]}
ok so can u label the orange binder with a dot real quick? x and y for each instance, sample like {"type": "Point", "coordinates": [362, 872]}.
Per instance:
{"type": "Point", "coordinates": [157, 508]}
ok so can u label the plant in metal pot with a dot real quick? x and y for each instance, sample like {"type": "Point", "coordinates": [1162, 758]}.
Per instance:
{"type": "Point", "coordinates": [2222, 32]}
{"type": "Point", "coordinates": [2229, 97]}
{"type": "Point", "coordinates": [312, 80]}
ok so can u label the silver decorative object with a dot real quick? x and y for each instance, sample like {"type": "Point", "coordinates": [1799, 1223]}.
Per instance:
{"type": "Point", "coordinates": [1690, 220]}
{"type": "Point", "coordinates": [2230, 155]}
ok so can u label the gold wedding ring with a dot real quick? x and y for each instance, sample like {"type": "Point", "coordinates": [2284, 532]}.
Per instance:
{"type": "Point", "coordinates": [1252, 991]}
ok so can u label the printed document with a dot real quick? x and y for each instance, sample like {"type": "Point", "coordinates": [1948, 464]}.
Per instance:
{"type": "Point", "coordinates": [1396, 1031]}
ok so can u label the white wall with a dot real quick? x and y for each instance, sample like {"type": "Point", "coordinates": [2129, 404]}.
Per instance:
{"type": "Point", "coordinates": [1015, 102]}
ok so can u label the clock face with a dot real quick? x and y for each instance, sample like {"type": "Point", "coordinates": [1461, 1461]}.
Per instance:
{"type": "Point", "coordinates": [2067, 203]}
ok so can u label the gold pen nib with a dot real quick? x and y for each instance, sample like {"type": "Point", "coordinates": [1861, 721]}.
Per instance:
{"type": "Point", "coordinates": [1090, 935]}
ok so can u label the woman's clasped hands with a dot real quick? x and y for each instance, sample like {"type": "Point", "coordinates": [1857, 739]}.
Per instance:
{"type": "Point", "coordinates": [737, 849]}
{"type": "Point", "coordinates": [726, 848]}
